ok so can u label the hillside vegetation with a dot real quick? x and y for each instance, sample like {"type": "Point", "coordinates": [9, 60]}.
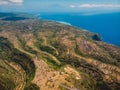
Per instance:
{"type": "Point", "coordinates": [44, 55]}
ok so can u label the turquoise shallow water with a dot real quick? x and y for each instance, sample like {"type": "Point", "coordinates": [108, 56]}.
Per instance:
{"type": "Point", "coordinates": [107, 25]}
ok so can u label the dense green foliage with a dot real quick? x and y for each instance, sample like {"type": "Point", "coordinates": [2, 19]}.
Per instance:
{"type": "Point", "coordinates": [32, 87]}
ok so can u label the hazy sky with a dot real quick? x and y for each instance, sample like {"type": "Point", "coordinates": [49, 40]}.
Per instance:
{"type": "Point", "coordinates": [59, 5]}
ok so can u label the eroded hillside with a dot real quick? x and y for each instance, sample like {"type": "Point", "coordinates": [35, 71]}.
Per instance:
{"type": "Point", "coordinates": [37, 54]}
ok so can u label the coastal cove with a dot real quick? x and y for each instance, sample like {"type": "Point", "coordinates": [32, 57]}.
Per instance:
{"type": "Point", "coordinates": [107, 25]}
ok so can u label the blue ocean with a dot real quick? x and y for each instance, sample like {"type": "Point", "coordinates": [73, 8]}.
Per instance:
{"type": "Point", "coordinates": [107, 25]}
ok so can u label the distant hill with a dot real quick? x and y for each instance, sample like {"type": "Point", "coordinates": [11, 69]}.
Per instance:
{"type": "Point", "coordinates": [14, 16]}
{"type": "Point", "coordinates": [45, 55]}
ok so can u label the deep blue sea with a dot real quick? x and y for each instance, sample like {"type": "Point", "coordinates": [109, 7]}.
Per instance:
{"type": "Point", "coordinates": [107, 25]}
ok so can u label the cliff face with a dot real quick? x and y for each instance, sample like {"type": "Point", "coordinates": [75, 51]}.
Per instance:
{"type": "Point", "coordinates": [37, 54]}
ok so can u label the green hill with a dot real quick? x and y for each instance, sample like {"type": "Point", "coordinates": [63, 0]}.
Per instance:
{"type": "Point", "coordinates": [44, 55]}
